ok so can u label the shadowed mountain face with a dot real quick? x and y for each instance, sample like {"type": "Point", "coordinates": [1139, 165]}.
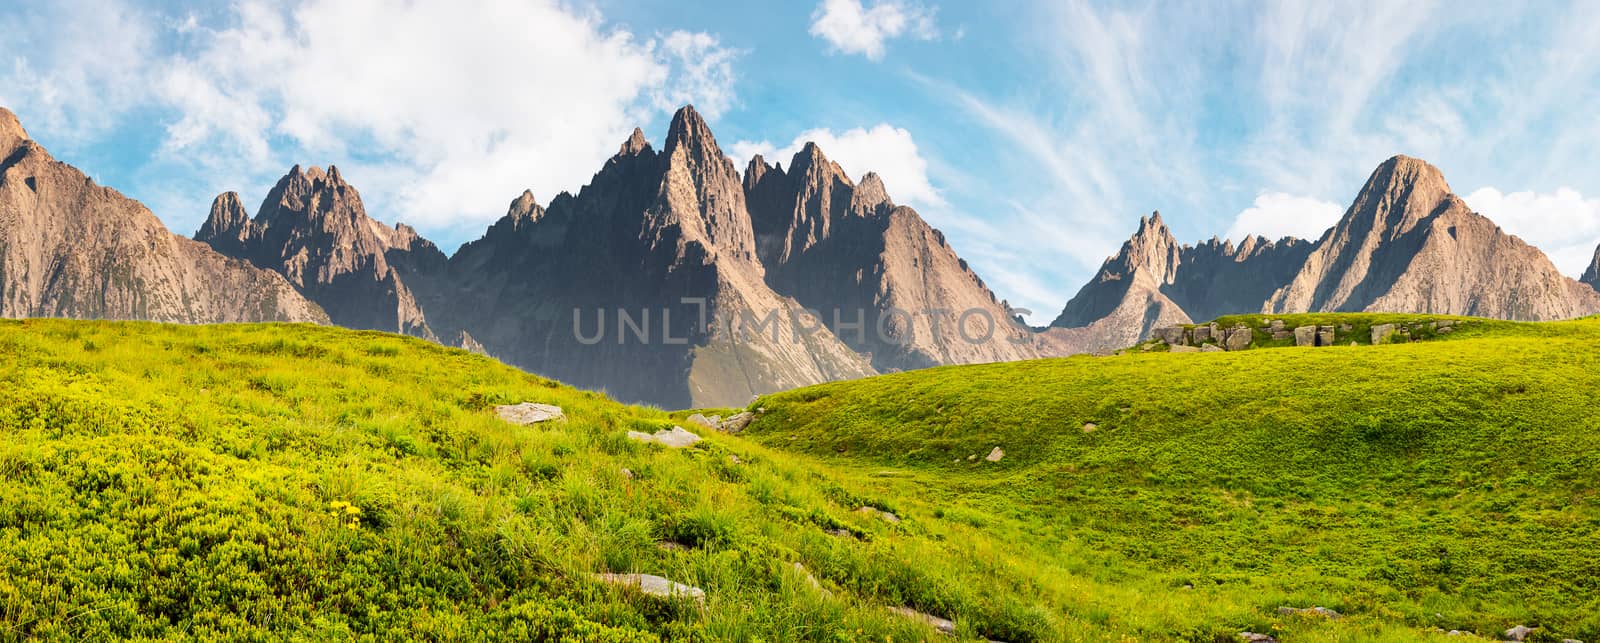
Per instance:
{"type": "Point", "coordinates": [70, 248]}
{"type": "Point", "coordinates": [313, 229]}
{"type": "Point", "coordinates": [880, 277]}
{"type": "Point", "coordinates": [1592, 275]}
{"type": "Point", "coordinates": [1408, 244]}
{"type": "Point", "coordinates": [645, 283]}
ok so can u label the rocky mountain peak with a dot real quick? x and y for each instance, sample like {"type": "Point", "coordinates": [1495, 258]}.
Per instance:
{"type": "Point", "coordinates": [635, 144]}
{"type": "Point", "coordinates": [11, 132]}
{"type": "Point", "coordinates": [690, 130]}
{"type": "Point", "coordinates": [755, 171]}
{"type": "Point", "coordinates": [227, 226]}
{"type": "Point", "coordinates": [870, 197]}
{"type": "Point", "coordinates": [1152, 248]}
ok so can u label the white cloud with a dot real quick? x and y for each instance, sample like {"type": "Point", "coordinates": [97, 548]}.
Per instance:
{"type": "Point", "coordinates": [439, 115]}
{"type": "Point", "coordinates": [71, 68]}
{"type": "Point", "coordinates": [851, 28]}
{"type": "Point", "coordinates": [1564, 224]}
{"type": "Point", "coordinates": [884, 149]}
{"type": "Point", "coordinates": [450, 112]}
{"type": "Point", "coordinates": [1275, 215]}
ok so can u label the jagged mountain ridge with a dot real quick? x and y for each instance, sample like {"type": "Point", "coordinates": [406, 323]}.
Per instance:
{"type": "Point", "coordinates": [313, 229]}
{"type": "Point", "coordinates": [887, 283]}
{"type": "Point", "coordinates": [650, 230]}
{"type": "Point", "coordinates": [70, 248]}
{"type": "Point", "coordinates": [1406, 244]}
{"type": "Point", "coordinates": [1591, 276]}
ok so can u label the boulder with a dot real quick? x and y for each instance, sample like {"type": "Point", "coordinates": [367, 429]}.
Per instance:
{"type": "Point", "coordinates": [1089, 427]}
{"type": "Point", "coordinates": [1202, 334]}
{"type": "Point", "coordinates": [1179, 348]}
{"type": "Point", "coordinates": [1239, 338]}
{"type": "Point", "coordinates": [1309, 611]}
{"type": "Point", "coordinates": [702, 421]}
{"type": "Point", "coordinates": [626, 473]}
{"type": "Point", "coordinates": [737, 422]}
{"type": "Point", "coordinates": [655, 586]}
{"type": "Point", "coordinates": [1325, 336]}
{"type": "Point", "coordinates": [1211, 348]}
{"type": "Point", "coordinates": [675, 438]}
{"type": "Point", "coordinates": [1381, 333]}
{"type": "Point", "coordinates": [995, 455]}
{"type": "Point", "coordinates": [1282, 334]}
{"type": "Point", "coordinates": [1253, 637]}
{"type": "Point", "coordinates": [887, 516]}
{"type": "Point", "coordinates": [944, 626]}
{"type": "Point", "coordinates": [1305, 336]}
{"type": "Point", "coordinates": [528, 413]}
{"type": "Point", "coordinates": [1518, 633]}
{"type": "Point", "coordinates": [1173, 335]}
{"type": "Point", "coordinates": [1275, 325]}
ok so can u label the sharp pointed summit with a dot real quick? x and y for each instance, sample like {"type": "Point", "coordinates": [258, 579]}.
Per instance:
{"type": "Point", "coordinates": [1592, 275]}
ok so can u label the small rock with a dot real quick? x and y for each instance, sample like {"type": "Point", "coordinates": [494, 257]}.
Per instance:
{"type": "Point", "coordinates": [944, 626]}
{"type": "Point", "coordinates": [972, 458]}
{"type": "Point", "coordinates": [1571, 641]}
{"type": "Point", "coordinates": [667, 545]}
{"type": "Point", "coordinates": [528, 413]}
{"type": "Point", "coordinates": [761, 409]}
{"type": "Point", "coordinates": [1179, 348]}
{"type": "Point", "coordinates": [1253, 637]}
{"type": "Point", "coordinates": [651, 585]}
{"type": "Point", "coordinates": [1518, 633]}
{"type": "Point", "coordinates": [1325, 336]}
{"type": "Point", "coordinates": [1353, 343]}
{"type": "Point", "coordinates": [702, 421]}
{"type": "Point", "coordinates": [1282, 334]}
{"type": "Point", "coordinates": [887, 516]}
{"type": "Point", "coordinates": [1089, 427]}
{"type": "Point", "coordinates": [1308, 611]}
{"type": "Point", "coordinates": [627, 473]}
{"type": "Point", "coordinates": [1239, 338]}
{"type": "Point", "coordinates": [842, 533]}
{"type": "Point", "coordinates": [676, 438]}
{"type": "Point", "coordinates": [995, 455]}
{"type": "Point", "coordinates": [736, 423]}
{"type": "Point", "coordinates": [1275, 325]}
{"type": "Point", "coordinates": [1211, 348]}
{"type": "Point", "coordinates": [811, 580]}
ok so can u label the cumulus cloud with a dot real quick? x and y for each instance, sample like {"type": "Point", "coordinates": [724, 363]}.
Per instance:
{"type": "Point", "coordinates": [440, 115]}
{"type": "Point", "coordinates": [1563, 224]}
{"type": "Point", "coordinates": [1275, 215]}
{"type": "Point", "coordinates": [851, 28]}
{"type": "Point", "coordinates": [887, 150]}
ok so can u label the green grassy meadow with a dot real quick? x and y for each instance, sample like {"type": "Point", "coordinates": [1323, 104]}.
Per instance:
{"type": "Point", "coordinates": [263, 482]}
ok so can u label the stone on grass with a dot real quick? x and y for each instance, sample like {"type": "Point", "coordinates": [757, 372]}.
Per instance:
{"type": "Point", "coordinates": [995, 455]}
{"type": "Point", "coordinates": [528, 413]}
{"type": "Point", "coordinates": [737, 422]}
{"type": "Point", "coordinates": [702, 421]}
{"type": "Point", "coordinates": [1211, 348]}
{"type": "Point", "coordinates": [885, 515]}
{"type": "Point", "coordinates": [1089, 427]}
{"type": "Point", "coordinates": [627, 473]}
{"type": "Point", "coordinates": [811, 580]}
{"type": "Point", "coordinates": [1305, 336]}
{"type": "Point", "coordinates": [1179, 348]}
{"type": "Point", "coordinates": [1518, 633]}
{"type": "Point", "coordinates": [1381, 333]}
{"type": "Point", "coordinates": [1254, 637]}
{"type": "Point", "coordinates": [675, 438]}
{"type": "Point", "coordinates": [944, 626]}
{"type": "Point", "coordinates": [655, 586]}
{"type": "Point", "coordinates": [1239, 338]}
{"type": "Point", "coordinates": [1308, 611]}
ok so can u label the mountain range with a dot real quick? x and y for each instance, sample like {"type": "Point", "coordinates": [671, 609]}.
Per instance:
{"type": "Point", "coordinates": [673, 278]}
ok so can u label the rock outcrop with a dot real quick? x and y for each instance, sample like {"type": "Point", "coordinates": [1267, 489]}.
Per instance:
{"type": "Point", "coordinates": [313, 229]}
{"type": "Point", "coordinates": [882, 279]}
{"type": "Point", "coordinates": [645, 284]}
{"type": "Point", "coordinates": [1408, 244]}
{"type": "Point", "coordinates": [70, 248]}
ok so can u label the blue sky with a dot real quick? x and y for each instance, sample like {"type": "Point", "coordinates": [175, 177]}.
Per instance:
{"type": "Point", "coordinates": [1034, 133]}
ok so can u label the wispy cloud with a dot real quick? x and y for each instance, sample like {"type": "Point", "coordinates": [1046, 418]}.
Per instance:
{"type": "Point", "coordinates": [887, 150]}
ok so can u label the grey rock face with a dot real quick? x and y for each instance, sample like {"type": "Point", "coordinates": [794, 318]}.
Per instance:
{"type": "Point", "coordinates": [942, 625]}
{"type": "Point", "coordinates": [70, 248]}
{"type": "Point", "coordinates": [1381, 333]}
{"type": "Point", "coordinates": [1239, 338]}
{"type": "Point", "coordinates": [736, 422]}
{"type": "Point", "coordinates": [1591, 276]}
{"type": "Point", "coordinates": [1325, 335]}
{"type": "Point", "coordinates": [674, 438]}
{"type": "Point", "coordinates": [847, 251]}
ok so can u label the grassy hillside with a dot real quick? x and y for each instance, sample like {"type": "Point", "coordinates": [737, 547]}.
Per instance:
{"type": "Point", "coordinates": [1452, 483]}
{"type": "Point", "coordinates": [180, 481]}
